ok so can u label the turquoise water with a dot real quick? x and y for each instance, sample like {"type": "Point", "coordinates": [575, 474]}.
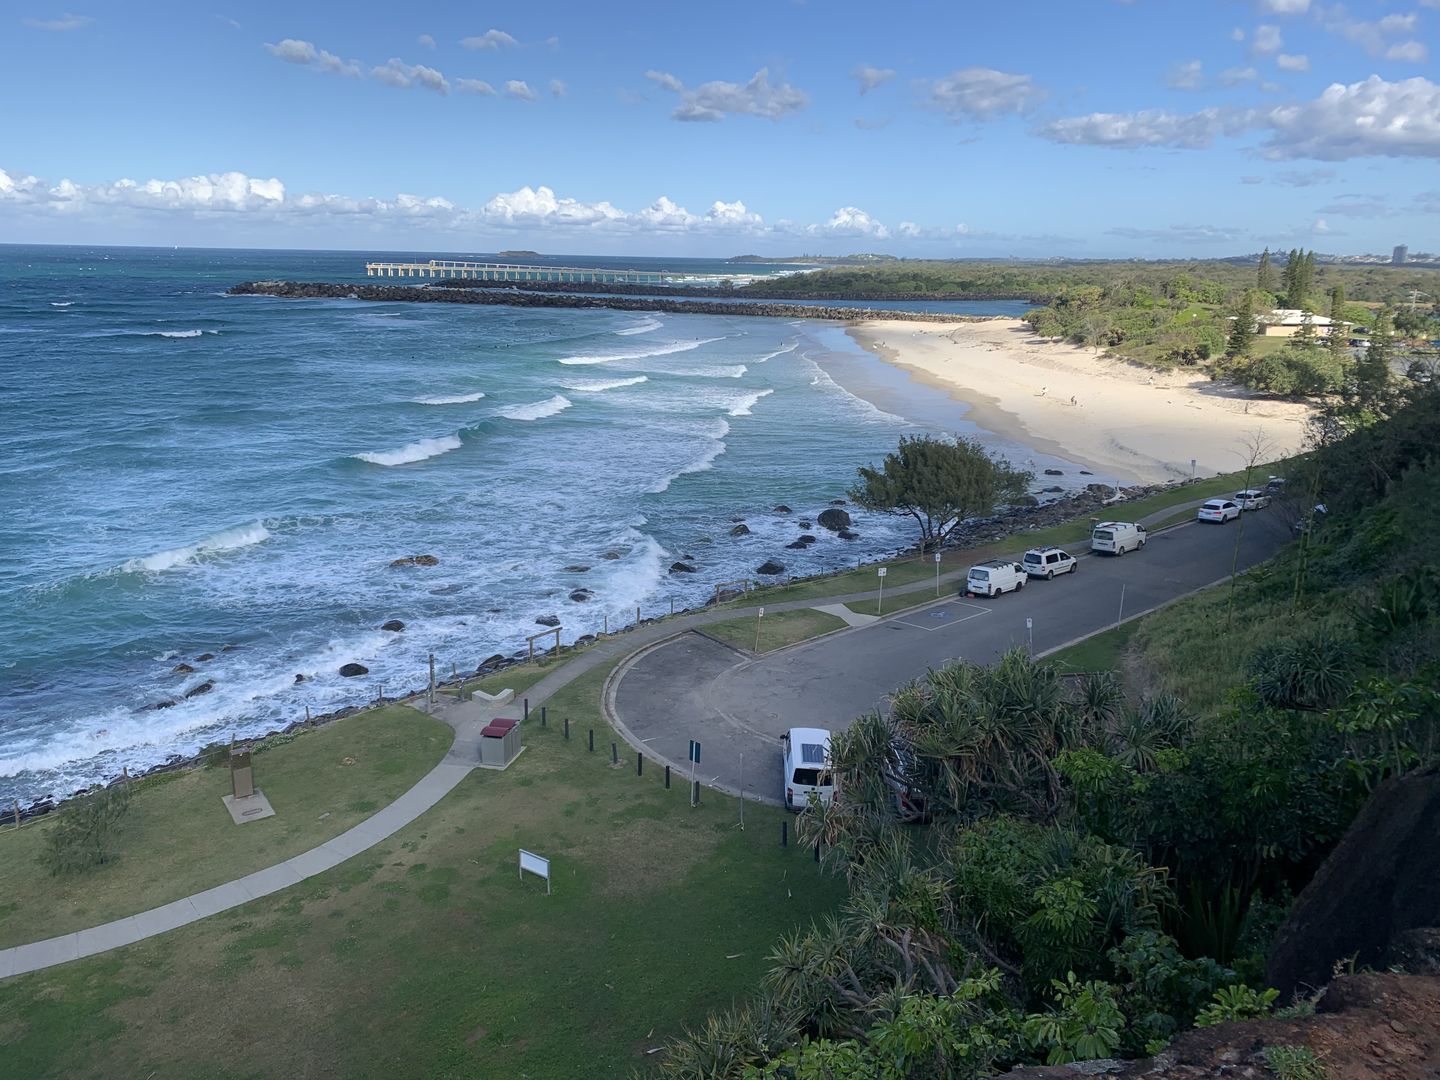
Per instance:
{"type": "Point", "coordinates": [186, 473]}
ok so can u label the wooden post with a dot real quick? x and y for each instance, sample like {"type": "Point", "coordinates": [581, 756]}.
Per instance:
{"type": "Point", "coordinates": [432, 679]}
{"type": "Point", "coordinates": [17, 812]}
{"type": "Point", "coordinates": [605, 624]}
{"type": "Point", "coordinates": [637, 614]}
{"type": "Point", "coordinates": [307, 714]}
{"type": "Point", "coordinates": [672, 605]}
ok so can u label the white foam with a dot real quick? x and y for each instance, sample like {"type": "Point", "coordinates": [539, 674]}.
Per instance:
{"type": "Point", "coordinates": [413, 452]}
{"type": "Point", "coordinates": [644, 327]}
{"type": "Point", "coordinates": [61, 303]}
{"type": "Point", "coordinates": [594, 386]}
{"type": "Point", "coordinates": [640, 354]}
{"type": "Point", "coordinates": [779, 352]}
{"type": "Point", "coordinates": [176, 333]}
{"type": "Point", "coordinates": [704, 463]}
{"type": "Point", "coordinates": [728, 371]}
{"type": "Point", "coordinates": [226, 540]}
{"type": "Point", "coordinates": [537, 410]}
{"type": "Point", "coordinates": [743, 406]}
{"type": "Point", "coordinates": [458, 399]}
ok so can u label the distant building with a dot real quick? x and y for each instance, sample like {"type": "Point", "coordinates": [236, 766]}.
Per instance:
{"type": "Point", "coordinates": [1397, 257]}
{"type": "Point", "coordinates": [1286, 322]}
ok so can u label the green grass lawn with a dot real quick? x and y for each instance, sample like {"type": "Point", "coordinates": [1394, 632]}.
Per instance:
{"type": "Point", "coordinates": [1100, 652]}
{"type": "Point", "coordinates": [426, 956]}
{"type": "Point", "coordinates": [893, 602]}
{"type": "Point", "coordinates": [777, 629]}
{"type": "Point", "coordinates": [518, 678]}
{"type": "Point", "coordinates": [178, 839]}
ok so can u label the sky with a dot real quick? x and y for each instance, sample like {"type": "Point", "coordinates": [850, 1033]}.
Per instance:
{"type": "Point", "coordinates": [1076, 128]}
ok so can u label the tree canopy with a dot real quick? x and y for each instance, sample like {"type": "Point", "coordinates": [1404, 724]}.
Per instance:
{"type": "Point", "coordinates": [940, 483]}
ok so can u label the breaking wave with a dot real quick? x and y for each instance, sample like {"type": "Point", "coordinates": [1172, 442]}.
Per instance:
{"type": "Point", "coordinates": [538, 409]}
{"type": "Point", "coordinates": [644, 327]}
{"type": "Point", "coordinates": [743, 406]}
{"type": "Point", "coordinates": [416, 451]}
{"type": "Point", "coordinates": [594, 386]}
{"type": "Point", "coordinates": [226, 540]}
{"type": "Point", "coordinates": [458, 399]}
{"type": "Point", "coordinates": [639, 354]}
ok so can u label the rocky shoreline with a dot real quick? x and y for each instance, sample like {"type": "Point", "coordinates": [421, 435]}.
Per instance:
{"type": "Point", "coordinates": [1013, 521]}
{"type": "Point", "coordinates": [446, 293]}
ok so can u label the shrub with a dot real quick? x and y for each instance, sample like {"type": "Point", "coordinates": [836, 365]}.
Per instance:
{"type": "Point", "coordinates": [81, 839]}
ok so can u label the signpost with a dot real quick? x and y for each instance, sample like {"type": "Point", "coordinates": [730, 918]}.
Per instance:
{"type": "Point", "coordinates": [937, 575]}
{"type": "Point", "coordinates": [1192, 468]}
{"type": "Point", "coordinates": [759, 614]}
{"type": "Point", "coordinates": [1030, 633]}
{"type": "Point", "coordinates": [694, 761]}
{"type": "Point", "coordinates": [880, 598]}
{"type": "Point", "coordinates": [537, 865]}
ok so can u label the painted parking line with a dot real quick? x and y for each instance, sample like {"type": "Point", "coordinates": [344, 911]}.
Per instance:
{"type": "Point", "coordinates": [942, 618]}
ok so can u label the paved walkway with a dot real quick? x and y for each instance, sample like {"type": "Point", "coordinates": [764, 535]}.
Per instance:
{"type": "Point", "coordinates": [467, 719]}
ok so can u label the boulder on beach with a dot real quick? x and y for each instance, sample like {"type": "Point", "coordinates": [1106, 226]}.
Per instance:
{"type": "Point", "coordinates": [492, 662]}
{"type": "Point", "coordinates": [394, 626]}
{"type": "Point", "coordinates": [161, 705]}
{"type": "Point", "coordinates": [783, 509]}
{"type": "Point", "coordinates": [416, 560]}
{"type": "Point", "coordinates": [581, 595]}
{"type": "Point", "coordinates": [770, 567]}
{"type": "Point", "coordinates": [1054, 472]}
{"type": "Point", "coordinates": [612, 555]}
{"type": "Point", "coordinates": [681, 568]}
{"type": "Point", "coordinates": [1105, 491]}
{"type": "Point", "coordinates": [833, 519]}
{"type": "Point", "coordinates": [182, 669]}
{"type": "Point", "coordinates": [1027, 500]}
{"type": "Point", "coordinates": [577, 568]}
{"type": "Point", "coordinates": [797, 545]}
{"type": "Point", "coordinates": [548, 620]}
{"type": "Point", "coordinates": [204, 656]}
{"type": "Point", "coordinates": [350, 671]}
{"type": "Point", "coordinates": [740, 530]}
{"type": "Point", "coordinates": [204, 688]}
{"type": "Point", "coordinates": [848, 534]}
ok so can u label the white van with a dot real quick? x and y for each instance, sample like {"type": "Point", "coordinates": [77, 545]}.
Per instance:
{"type": "Point", "coordinates": [1117, 537]}
{"type": "Point", "coordinates": [995, 577]}
{"type": "Point", "coordinates": [1049, 561]}
{"type": "Point", "coordinates": [807, 767]}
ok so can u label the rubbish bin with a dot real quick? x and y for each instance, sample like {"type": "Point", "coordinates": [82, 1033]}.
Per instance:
{"type": "Point", "coordinates": [499, 742]}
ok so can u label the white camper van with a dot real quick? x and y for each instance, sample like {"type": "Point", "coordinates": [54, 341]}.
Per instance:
{"type": "Point", "coordinates": [807, 767]}
{"type": "Point", "coordinates": [1117, 537]}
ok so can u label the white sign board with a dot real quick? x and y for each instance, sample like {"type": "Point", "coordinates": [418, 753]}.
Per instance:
{"type": "Point", "coordinates": [1029, 623]}
{"type": "Point", "coordinates": [882, 571]}
{"type": "Point", "coordinates": [537, 865]}
{"type": "Point", "coordinates": [937, 556]}
{"type": "Point", "coordinates": [761, 613]}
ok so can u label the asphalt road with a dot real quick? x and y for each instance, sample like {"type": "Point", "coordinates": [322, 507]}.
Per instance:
{"type": "Point", "coordinates": [693, 687]}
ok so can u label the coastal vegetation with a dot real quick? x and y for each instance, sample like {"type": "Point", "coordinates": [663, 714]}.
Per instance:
{"type": "Point", "coordinates": [1043, 869]}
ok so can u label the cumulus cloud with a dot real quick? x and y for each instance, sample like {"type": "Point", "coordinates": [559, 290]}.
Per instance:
{"type": "Point", "coordinates": [1149, 127]}
{"type": "Point", "coordinates": [519, 88]}
{"type": "Point", "coordinates": [1408, 52]}
{"type": "Point", "coordinates": [304, 53]}
{"type": "Point", "coordinates": [1372, 36]}
{"type": "Point", "coordinates": [713, 101]}
{"type": "Point", "coordinates": [1189, 75]}
{"type": "Point", "coordinates": [395, 72]}
{"type": "Point", "coordinates": [1286, 62]}
{"type": "Point", "coordinates": [978, 93]}
{"type": "Point", "coordinates": [870, 77]}
{"type": "Point", "coordinates": [60, 25]}
{"type": "Point", "coordinates": [851, 221]}
{"type": "Point", "coordinates": [426, 41]}
{"type": "Point", "coordinates": [866, 123]}
{"type": "Point", "coordinates": [1236, 76]}
{"type": "Point", "coordinates": [1284, 7]}
{"type": "Point", "coordinates": [1267, 39]}
{"type": "Point", "coordinates": [558, 89]}
{"type": "Point", "coordinates": [1373, 118]}
{"type": "Point", "coordinates": [474, 86]}
{"type": "Point", "coordinates": [491, 40]}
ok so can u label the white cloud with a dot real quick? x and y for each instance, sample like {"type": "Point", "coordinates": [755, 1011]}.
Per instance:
{"type": "Point", "coordinates": [1304, 177]}
{"type": "Point", "coordinates": [1408, 52]}
{"type": "Point", "coordinates": [1188, 75]}
{"type": "Point", "coordinates": [870, 77]}
{"type": "Point", "coordinates": [558, 89]}
{"type": "Point", "coordinates": [1237, 34]}
{"type": "Point", "coordinates": [304, 53]}
{"type": "Point", "coordinates": [1286, 62]}
{"type": "Point", "coordinates": [851, 221]}
{"type": "Point", "coordinates": [426, 40]}
{"type": "Point", "coordinates": [1149, 127]}
{"type": "Point", "coordinates": [1371, 36]}
{"type": "Point", "coordinates": [395, 72]}
{"type": "Point", "coordinates": [474, 86]}
{"type": "Point", "coordinates": [519, 88]}
{"type": "Point", "coordinates": [60, 25]}
{"type": "Point", "coordinates": [1236, 76]}
{"type": "Point", "coordinates": [1284, 7]}
{"type": "Point", "coordinates": [1320, 226]}
{"type": "Point", "coordinates": [1373, 118]}
{"type": "Point", "coordinates": [1267, 39]}
{"type": "Point", "coordinates": [977, 93]}
{"type": "Point", "coordinates": [713, 101]}
{"type": "Point", "coordinates": [491, 40]}
{"type": "Point", "coordinates": [1358, 206]}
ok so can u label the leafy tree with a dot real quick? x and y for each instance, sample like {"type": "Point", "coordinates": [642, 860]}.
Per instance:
{"type": "Point", "coordinates": [82, 837]}
{"type": "Point", "coordinates": [940, 483]}
{"type": "Point", "coordinates": [1265, 275]}
{"type": "Point", "coordinates": [1085, 1022]}
{"type": "Point", "coordinates": [1242, 333]}
{"type": "Point", "coordinates": [1372, 374]}
{"type": "Point", "coordinates": [1338, 341]}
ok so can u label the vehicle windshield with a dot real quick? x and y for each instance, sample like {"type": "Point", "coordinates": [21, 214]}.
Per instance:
{"type": "Point", "coordinates": [1031, 556]}
{"type": "Point", "coordinates": [812, 777]}
{"type": "Point", "coordinates": [980, 575]}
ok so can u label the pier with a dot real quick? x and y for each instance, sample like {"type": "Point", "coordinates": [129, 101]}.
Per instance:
{"type": "Point", "coordinates": [483, 271]}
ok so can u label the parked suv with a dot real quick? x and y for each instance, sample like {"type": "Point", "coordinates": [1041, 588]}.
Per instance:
{"type": "Point", "coordinates": [1218, 510]}
{"type": "Point", "coordinates": [807, 767]}
{"type": "Point", "coordinates": [1047, 562]}
{"type": "Point", "coordinates": [995, 577]}
{"type": "Point", "coordinates": [1117, 537]}
{"type": "Point", "coordinates": [1252, 499]}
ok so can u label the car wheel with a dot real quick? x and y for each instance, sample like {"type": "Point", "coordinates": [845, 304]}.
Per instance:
{"type": "Point", "coordinates": [1049, 575]}
{"type": "Point", "coordinates": [1020, 584]}
{"type": "Point", "coordinates": [1120, 550]}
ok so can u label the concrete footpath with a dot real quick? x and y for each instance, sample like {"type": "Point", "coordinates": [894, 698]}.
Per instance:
{"type": "Point", "coordinates": [467, 719]}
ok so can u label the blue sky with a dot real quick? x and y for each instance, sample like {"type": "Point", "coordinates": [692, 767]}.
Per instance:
{"type": "Point", "coordinates": [1089, 128]}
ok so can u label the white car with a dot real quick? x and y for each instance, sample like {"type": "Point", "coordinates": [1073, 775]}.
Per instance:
{"type": "Point", "coordinates": [1047, 562]}
{"type": "Point", "coordinates": [1218, 510]}
{"type": "Point", "coordinates": [995, 577]}
{"type": "Point", "coordinates": [1252, 499]}
{"type": "Point", "coordinates": [1118, 537]}
{"type": "Point", "coordinates": [807, 767]}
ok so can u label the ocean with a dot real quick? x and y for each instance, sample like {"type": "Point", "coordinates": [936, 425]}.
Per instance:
{"type": "Point", "coordinates": [187, 474]}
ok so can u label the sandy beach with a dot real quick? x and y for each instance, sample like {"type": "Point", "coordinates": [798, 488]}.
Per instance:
{"type": "Point", "coordinates": [1136, 424]}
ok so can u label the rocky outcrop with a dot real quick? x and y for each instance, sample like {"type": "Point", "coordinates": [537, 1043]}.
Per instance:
{"type": "Point", "coordinates": [351, 671]}
{"type": "Point", "coordinates": [204, 656]}
{"type": "Point", "coordinates": [681, 568]}
{"type": "Point", "coordinates": [394, 626]}
{"type": "Point", "coordinates": [182, 669]}
{"type": "Point", "coordinates": [740, 530]}
{"type": "Point", "coordinates": [492, 662]}
{"type": "Point", "coordinates": [833, 519]}
{"type": "Point", "coordinates": [1105, 491]}
{"type": "Point", "coordinates": [782, 509]}
{"type": "Point", "coordinates": [1382, 880]}
{"type": "Point", "coordinates": [575, 569]}
{"type": "Point", "coordinates": [416, 560]}
{"type": "Point", "coordinates": [581, 596]}
{"type": "Point", "coordinates": [770, 568]}
{"type": "Point", "coordinates": [204, 688]}
{"type": "Point", "coordinates": [548, 620]}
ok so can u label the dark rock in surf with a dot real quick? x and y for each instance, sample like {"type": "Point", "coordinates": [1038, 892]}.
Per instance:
{"type": "Point", "coordinates": [493, 662]}
{"type": "Point", "coordinates": [299, 679]}
{"type": "Point", "coordinates": [740, 530]}
{"type": "Point", "coordinates": [848, 534]}
{"type": "Point", "coordinates": [204, 656]}
{"type": "Point", "coordinates": [548, 620]}
{"type": "Point", "coordinates": [394, 626]}
{"type": "Point", "coordinates": [580, 596]}
{"type": "Point", "coordinates": [577, 568]}
{"type": "Point", "coordinates": [161, 705]}
{"type": "Point", "coordinates": [204, 688]}
{"type": "Point", "coordinates": [838, 502]}
{"type": "Point", "coordinates": [783, 509]}
{"type": "Point", "coordinates": [770, 568]}
{"type": "Point", "coordinates": [681, 568]}
{"type": "Point", "coordinates": [182, 669]}
{"type": "Point", "coordinates": [351, 671]}
{"type": "Point", "coordinates": [1054, 472]}
{"type": "Point", "coordinates": [416, 560]}
{"type": "Point", "coordinates": [808, 538]}
{"type": "Point", "coordinates": [833, 519]}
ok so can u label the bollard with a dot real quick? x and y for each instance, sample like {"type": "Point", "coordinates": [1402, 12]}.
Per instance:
{"type": "Point", "coordinates": [614, 754]}
{"type": "Point", "coordinates": [784, 834]}
{"type": "Point", "coordinates": [637, 614]}
{"type": "Point", "coordinates": [527, 710]}
{"type": "Point", "coordinates": [667, 777]}
{"type": "Point", "coordinates": [639, 763]}
{"type": "Point", "coordinates": [592, 740]}
{"type": "Point", "coordinates": [672, 605]}
{"type": "Point", "coordinates": [543, 721]}
{"type": "Point", "coordinates": [567, 729]}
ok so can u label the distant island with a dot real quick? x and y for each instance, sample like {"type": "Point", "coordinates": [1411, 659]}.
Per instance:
{"type": "Point", "coordinates": [517, 255]}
